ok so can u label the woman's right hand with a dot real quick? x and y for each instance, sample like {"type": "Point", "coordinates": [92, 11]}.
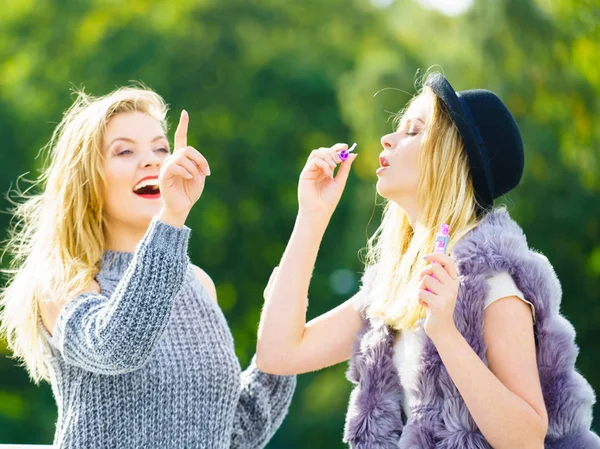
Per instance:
{"type": "Point", "coordinates": [318, 191]}
{"type": "Point", "coordinates": [182, 177]}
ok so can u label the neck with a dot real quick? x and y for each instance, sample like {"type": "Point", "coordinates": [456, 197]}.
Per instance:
{"type": "Point", "coordinates": [411, 210]}
{"type": "Point", "coordinates": [124, 236]}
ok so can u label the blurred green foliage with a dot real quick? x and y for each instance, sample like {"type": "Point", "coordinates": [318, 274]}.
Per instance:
{"type": "Point", "coordinates": [267, 81]}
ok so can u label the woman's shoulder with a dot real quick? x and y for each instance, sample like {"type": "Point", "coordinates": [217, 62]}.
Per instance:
{"type": "Point", "coordinates": [50, 310]}
{"type": "Point", "coordinates": [205, 280]}
{"type": "Point", "coordinates": [497, 234]}
{"type": "Point", "coordinates": [496, 243]}
{"type": "Point", "coordinates": [368, 278]}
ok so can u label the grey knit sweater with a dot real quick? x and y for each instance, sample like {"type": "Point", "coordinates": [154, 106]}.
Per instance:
{"type": "Point", "coordinates": [150, 361]}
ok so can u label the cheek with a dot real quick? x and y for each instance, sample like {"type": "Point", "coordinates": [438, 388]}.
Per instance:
{"type": "Point", "coordinates": [119, 172]}
{"type": "Point", "coordinates": [118, 183]}
{"type": "Point", "coordinates": [408, 162]}
{"type": "Point", "coordinates": [414, 161]}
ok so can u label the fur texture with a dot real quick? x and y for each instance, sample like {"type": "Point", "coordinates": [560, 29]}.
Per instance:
{"type": "Point", "coordinates": [441, 419]}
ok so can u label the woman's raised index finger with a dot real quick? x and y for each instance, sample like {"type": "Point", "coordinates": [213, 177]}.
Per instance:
{"type": "Point", "coordinates": [181, 131]}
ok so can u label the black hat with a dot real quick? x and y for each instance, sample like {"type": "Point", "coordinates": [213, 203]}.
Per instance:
{"type": "Point", "coordinates": [491, 138]}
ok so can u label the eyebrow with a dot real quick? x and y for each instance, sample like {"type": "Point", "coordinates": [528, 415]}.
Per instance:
{"type": "Point", "coordinates": [126, 139]}
{"type": "Point", "coordinates": [412, 119]}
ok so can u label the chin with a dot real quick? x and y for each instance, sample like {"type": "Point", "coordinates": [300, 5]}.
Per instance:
{"type": "Point", "coordinates": [383, 190]}
{"type": "Point", "coordinates": [147, 209]}
{"type": "Point", "coordinates": [141, 218]}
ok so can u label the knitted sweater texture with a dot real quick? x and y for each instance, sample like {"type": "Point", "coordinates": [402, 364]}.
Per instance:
{"type": "Point", "coordinates": [149, 362]}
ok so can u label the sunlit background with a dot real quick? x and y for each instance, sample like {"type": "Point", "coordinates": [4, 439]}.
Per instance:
{"type": "Point", "coordinates": [267, 81]}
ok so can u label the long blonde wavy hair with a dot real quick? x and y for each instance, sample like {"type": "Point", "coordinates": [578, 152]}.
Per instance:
{"type": "Point", "coordinates": [56, 238]}
{"type": "Point", "coordinates": [444, 195]}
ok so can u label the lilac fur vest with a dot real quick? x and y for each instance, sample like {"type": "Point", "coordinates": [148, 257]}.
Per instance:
{"type": "Point", "coordinates": [441, 419]}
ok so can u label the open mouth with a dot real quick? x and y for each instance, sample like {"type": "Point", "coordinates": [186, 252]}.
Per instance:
{"type": "Point", "coordinates": [147, 188]}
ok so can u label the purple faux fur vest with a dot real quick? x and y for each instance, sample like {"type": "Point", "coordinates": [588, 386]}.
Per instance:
{"type": "Point", "coordinates": [441, 419]}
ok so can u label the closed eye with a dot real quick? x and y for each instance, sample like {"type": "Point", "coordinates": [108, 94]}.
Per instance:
{"type": "Point", "coordinates": [164, 150]}
{"type": "Point", "coordinates": [413, 131]}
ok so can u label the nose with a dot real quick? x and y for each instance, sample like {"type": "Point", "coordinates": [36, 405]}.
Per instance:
{"type": "Point", "coordinates": [388, 141]}
{"type": "Point", "coordinates": [151, 159]}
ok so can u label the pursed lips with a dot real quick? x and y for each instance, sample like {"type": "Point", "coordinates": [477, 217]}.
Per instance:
{"type": "Point", "coordinates": [383, 165]}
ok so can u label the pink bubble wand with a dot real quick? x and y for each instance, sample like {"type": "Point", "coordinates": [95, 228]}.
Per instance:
{"type": "Point", "coordinates": [442, 238]}
{"type": "Point", "coordinates": [345, 154]}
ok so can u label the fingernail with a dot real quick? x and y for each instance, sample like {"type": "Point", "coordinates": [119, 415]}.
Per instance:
{"type": "Point", "coordinates": [426, 256]}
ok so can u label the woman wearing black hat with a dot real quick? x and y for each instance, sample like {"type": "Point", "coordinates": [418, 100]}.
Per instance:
{"type": "Point", "coordinates": [466, 350]}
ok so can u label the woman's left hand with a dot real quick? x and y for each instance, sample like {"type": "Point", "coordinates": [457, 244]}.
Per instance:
{"type": "Point", "coordinates": [437, 293]}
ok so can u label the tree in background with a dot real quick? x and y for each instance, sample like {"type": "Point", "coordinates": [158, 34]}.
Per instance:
{"type": "Point", "coordinates": [267, 81]}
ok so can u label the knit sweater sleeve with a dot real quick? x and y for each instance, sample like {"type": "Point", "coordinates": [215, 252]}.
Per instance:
{"type": "Point", "coordinates": [264, 402]}
{"type": "Point", "coordinates": [116, 334]}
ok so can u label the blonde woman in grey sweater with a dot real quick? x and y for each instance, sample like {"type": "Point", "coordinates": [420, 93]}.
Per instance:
{"type": "Point", "coordinates": [103, 302]}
